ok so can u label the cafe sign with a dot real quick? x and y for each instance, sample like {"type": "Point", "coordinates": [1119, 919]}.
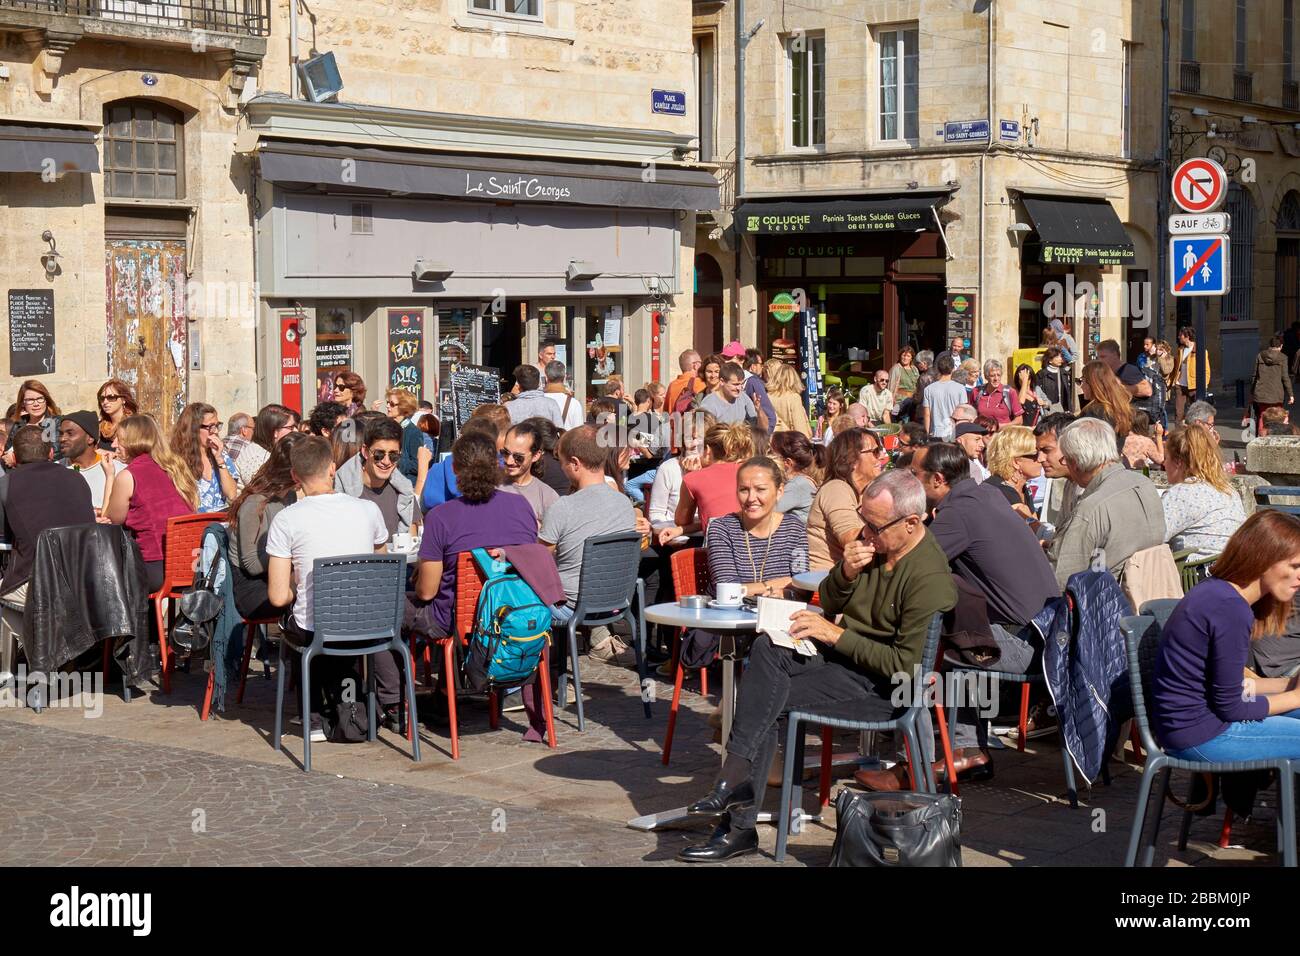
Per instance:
{"type": "Point", "coordinates": [900, 214]}
{"type": "Point", "coordinates": [1077, 254]}
{"type": "Point", "coordinates": [783, 307]}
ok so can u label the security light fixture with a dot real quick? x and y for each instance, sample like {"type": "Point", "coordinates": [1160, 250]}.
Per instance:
{"type": "Point", "coordinates": [50, 258]}
{"type": "Point", "coordinates": [426, 271]}
{"type": "Point", "coordinates": [1249, 120]}
{"type": "Point", "coordinates": [580, 271]}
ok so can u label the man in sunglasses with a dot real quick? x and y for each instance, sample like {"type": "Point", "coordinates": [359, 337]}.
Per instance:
{"type": "Point", "coordinates": [372, 475]}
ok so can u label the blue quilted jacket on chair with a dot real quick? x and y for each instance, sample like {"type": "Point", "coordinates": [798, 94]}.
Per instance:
{"type": "Point", "coordinates": [1085, 664]}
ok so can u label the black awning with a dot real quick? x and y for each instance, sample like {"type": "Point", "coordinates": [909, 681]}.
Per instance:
{"type": "Point", "coordinates": [911, 213]}
{"type": "Point", "coordinates": [1078, 231]}
{"type": "Point", "coordinates": [44, 149]}
{"type": "Point", "coordinates": [487, 178]}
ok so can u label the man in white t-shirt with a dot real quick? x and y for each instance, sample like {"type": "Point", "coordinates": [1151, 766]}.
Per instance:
{"type": "Point", "coordinates": [572, 411]}
{"type": "Point", "coordinates": [78, 437]}
{"type": "Point", "coordinates": [941, 397]}
{"type": "Point", "coordinates": [322, 523]}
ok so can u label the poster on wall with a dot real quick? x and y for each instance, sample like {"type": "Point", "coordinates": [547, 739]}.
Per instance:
{"type": "Point", "coordinates": [291, 360]}
{"type": "Point", "coordinates": [406, 350]}
{"type": "Point", "coordinates": [810, 366]}
{"type": "Point", "coordinates": [333, 349]}
{"type": "Point", "coordinates": [551, 324]}
{"type": "Point", "coordinates": [961, 319]}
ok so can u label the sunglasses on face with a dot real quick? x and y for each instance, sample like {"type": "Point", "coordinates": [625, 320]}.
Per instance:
{"type": "Point", "coordinates": [378, 456]}
{"type": "Point", "coordinates": [340, 387]}
{"type": "Point", "coordinates": [515, 457]}
{"type": "Point", "coordinates": [110, 398]}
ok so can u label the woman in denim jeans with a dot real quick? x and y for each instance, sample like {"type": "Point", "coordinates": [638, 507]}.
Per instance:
{"type": "Point", "coordinates": [1206, 705]}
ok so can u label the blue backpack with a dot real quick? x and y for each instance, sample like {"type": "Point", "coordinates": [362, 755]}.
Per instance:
{"type": "Point", "coordinates": [511, 628]}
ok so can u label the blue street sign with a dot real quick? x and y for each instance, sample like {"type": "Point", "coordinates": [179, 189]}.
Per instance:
{"type": "Point", "coordinates": [668, 101]}
{"type": "Point", "coordinates": [1199, 265]}
{"type": "Point", "coordinates": [1009, 131]}
{"type": "Point", "coordinates": [966, 131]}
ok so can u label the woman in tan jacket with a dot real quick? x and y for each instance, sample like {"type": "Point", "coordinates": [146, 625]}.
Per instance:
{"type": "Point", "coordinates": [785, 389]}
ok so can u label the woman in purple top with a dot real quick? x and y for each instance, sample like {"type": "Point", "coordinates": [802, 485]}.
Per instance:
{"type": "Point", "coordinates": [482, 517]}
{"type": "Point", "coordinates": [1203, 706]}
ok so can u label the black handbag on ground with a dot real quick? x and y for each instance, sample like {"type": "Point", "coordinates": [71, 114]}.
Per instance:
{"type": "Point", "coordinates": [896, 829]}
{"type": "Point", "coordinates": [199, 607]}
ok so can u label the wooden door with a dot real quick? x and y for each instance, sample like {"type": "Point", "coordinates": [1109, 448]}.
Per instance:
{"type": "Point", "coordinates": [147, 337]}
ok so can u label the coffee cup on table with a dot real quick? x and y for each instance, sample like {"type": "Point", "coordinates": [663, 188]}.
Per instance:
{"type": "Point", "coordinates": [731, 594]}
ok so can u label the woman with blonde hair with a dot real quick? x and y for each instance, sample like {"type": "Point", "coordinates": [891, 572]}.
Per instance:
{"type": "Point", "coordinates": [785, 388]}
{"type": "Point", "coordinates": [711, 491]}
{"type": "Point", "coordinates": [1012, 460]}
{"type": "Point", "coordinates": [1202, 511]}
{"type": "Point", "coordinates": [196, 438]}
{"type": "Point", "coordinates": [157, 484]}
{"type": "Point", "coordinates": [1107, 399]}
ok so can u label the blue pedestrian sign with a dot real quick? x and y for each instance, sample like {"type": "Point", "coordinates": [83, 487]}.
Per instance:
{"type": "Point", "coordinates": [1199, 265]}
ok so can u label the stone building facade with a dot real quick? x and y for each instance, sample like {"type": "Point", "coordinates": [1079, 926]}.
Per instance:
{"type": "Point", "coordinates": [916, 168]}
{"type": "Point", "coordinates": [1234, 97]}
{"type": "Point", "coordinates": [492, 175]}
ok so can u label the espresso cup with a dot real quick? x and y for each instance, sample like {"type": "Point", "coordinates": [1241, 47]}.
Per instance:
{"type": "Point", "coordinates": [731, 594]}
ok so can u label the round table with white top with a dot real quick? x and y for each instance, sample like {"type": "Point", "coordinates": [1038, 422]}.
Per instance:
{"type": "Point", "coordinates": [735, 626]}
{"type": "Point", "coordinates": [809, 580]}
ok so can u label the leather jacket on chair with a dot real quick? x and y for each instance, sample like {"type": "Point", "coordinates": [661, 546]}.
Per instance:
{"type": "Point", "coordinates": [87, 584]}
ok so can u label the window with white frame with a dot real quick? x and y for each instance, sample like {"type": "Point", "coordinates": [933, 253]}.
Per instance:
{"type": "Point", "coordinates": [519, 8]}
{"type": "Point", "coordinates": [806, 77]}
{"type": "Point", "coordinates": [899, 82]}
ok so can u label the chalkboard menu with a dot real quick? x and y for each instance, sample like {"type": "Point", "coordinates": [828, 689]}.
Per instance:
{"type": "Point", "coordinates": [406, 350]}
{"type": "Point", "coordinates": [31, 332]}
{"type": "Point", "coordinates": [961, 320]}
{"type": "Point", "coordinates": [472, 386]}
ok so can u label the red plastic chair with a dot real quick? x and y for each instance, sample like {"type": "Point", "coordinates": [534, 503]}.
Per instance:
{"type": "Point", "coordinates": [690, 576]}
{"type": "Point", "coordinates": [180, 552]}
{"type": "Point", "coordinates": [469, 584]}
{"type": "Point", "coordinates": [243, 667]}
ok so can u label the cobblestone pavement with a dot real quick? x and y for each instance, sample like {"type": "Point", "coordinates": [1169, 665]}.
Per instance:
{"type": "Point", "coordinates": [147, 782]}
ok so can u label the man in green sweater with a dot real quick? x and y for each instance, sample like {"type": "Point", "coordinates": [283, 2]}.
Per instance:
{"type": "Point", "coordinates": [884, 593]}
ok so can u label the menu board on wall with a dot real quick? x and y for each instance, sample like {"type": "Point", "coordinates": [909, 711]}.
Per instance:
{"type": "Point", "coordinates": [31, 332]}
{"type": "Point", "coordinates": [961, 319]}
{"type": "Point", "coordinates": [333, 349]}
{"type": "Point", "coordinates": [291, 361]}
{"type": "Point", "coordinates": [472, 386]}
{"type": "Point", "coordinates": [455, 340]}
{"type": "Point", "coordinates": [406, 350]}
{"type": "Point", "coordinates": [551, 324]}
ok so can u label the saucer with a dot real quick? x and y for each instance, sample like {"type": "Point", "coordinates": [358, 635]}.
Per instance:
{"type": "Point", "coordinates": [718, 606]}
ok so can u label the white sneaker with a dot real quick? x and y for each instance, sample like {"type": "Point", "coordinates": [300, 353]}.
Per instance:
{"type": "Point", "coordinates": [614, 651]}
{"type": "Point", "coordinates": [514, 701]}
{"type": "Point", "coordinates": [317, 730]}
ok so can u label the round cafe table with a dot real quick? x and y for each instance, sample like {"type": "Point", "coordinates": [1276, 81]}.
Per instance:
{"type": "Point", "coordinates": [736, 630]}
{"type": "Point", "coordinates": [809, 580]}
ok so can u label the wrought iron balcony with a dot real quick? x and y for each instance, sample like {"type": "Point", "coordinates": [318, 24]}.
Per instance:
{"type": "Point", "coordinates": [1189, 76]}
{"type": "Point", "coordinates": [1291, 95]}
{"type": "Point", "coordinates": [1243, 87]}
{"type": "Point", "coordinates": [248, 18]}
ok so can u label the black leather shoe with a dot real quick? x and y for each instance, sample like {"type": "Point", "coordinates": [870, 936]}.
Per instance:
{"type": "Point", "coordinates": [725, 843]}
{"type": "Point", "coordinates": [722, 798]}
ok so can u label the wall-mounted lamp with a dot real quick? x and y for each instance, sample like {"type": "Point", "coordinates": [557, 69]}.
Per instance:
{"type": "Point", "coordinates": [581, 271]}
{"type": "Point", "coordinates": [1017, 231]}
{"type": "Point", "coordinates": [1200, 111]}
{"type": "Point", "coordinates": [50, 258]}
{"type": "Point", "coordinates": [427, 271]}
{"type": "Point", "coordinates": [1249, 120]}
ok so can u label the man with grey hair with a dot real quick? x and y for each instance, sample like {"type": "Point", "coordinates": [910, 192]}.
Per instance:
{"type": "Point", "coordinates": [962, 414]}
{"type": "Point", "coordinates": [571, 410]}
{"type": "Point", "coordinates": [1118, 513]}
{"type": "Point", "coordinates": [887, 588]}
{"type": "Point", "coordinates": [1202, 414]}
{"type": "Point", "coordinates": [239, 432]}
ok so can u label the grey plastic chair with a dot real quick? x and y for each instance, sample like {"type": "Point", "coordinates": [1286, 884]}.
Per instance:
{"type": "Point", "coordinates": [358, 604]}
{"type": "Point", "coordinates": [607, 586]}
{"type": "Point", "coordinates": [841, 717]}
{"type": "Point", "coordinates": [1142, 635]}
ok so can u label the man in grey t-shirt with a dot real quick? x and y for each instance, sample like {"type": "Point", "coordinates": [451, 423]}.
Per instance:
{"type": "Point", "coordinates": [593, 509]}
{"type": "Point", "coordinates": [941, 397]}
{"type": "Point", "coordinates": [728, 404]}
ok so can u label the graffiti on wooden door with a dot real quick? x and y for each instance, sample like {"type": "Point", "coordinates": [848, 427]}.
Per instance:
{"type": "Point", "coordinates": [146, 323]}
